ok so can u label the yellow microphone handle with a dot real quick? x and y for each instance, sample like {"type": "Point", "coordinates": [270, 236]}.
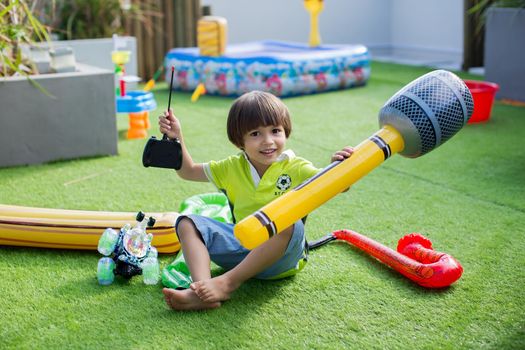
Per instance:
{"type": "Point", "coordinates": [284, 211]}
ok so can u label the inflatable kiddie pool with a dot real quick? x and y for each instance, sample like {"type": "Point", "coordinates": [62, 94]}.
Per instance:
{"type": "Point", "coordinates": [284, 69]}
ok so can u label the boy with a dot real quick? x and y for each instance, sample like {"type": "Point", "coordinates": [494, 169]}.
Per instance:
{"type": "Point", "coordinates": [258, 124]}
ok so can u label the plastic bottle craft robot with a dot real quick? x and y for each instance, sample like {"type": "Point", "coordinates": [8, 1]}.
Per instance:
{"type": "Point", "coordinates": [128, 253]}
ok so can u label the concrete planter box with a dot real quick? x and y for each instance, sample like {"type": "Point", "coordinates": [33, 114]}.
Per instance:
{"type": "Point", "coordinates": [505, 51]}
{"type": "Point", "coordinates": [79, 122]}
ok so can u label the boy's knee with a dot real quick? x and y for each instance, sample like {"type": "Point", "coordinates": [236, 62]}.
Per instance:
{"type": "Point", "coordinates": [186, 229]}
{"type": "Point", "coordinates": [185, 226]}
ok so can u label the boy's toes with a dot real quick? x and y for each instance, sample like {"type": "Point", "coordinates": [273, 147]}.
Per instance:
{"type": "Point", "coordinates": [195, 285]}
{"type": "Point", "coordinates": [200, 293]}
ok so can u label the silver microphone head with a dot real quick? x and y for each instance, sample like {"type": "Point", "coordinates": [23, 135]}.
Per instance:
{"type": "Point", "coordinates": [428, 111]}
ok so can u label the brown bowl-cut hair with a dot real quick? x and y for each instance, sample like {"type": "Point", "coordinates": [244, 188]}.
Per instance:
{"type": "Point", "coordinates": [255, 109]}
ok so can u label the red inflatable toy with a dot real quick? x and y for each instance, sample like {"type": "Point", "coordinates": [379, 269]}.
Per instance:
{"type": "Point", "coordinates": [414, 257]}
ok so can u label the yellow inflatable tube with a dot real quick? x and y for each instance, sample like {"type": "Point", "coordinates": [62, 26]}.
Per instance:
{"type": "Point", "coordinates": [76, 229]}
{"type": "Point", "coordinates": [296, 204]}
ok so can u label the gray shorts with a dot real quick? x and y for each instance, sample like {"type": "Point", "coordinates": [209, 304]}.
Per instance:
{"type": "Point", "coordinates": [226, 251]}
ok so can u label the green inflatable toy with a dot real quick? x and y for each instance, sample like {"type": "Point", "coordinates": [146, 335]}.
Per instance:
{"type": "Point", "coordinates": [213, 205]}
{"type": "Point", "coordinates": [176, 275]}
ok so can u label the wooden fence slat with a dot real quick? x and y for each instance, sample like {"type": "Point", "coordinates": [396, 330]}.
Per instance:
{"type": "Point", "coordinates": [176, 28]}
{"type": "Point", "coordinates": [160, 40]}
{"type": "Point", "coordinates": [136, 31]}
{"type": "Point", "coordinates": [188, 13]}
{"type": "Point", "coordinates": [169, 25]}
{"type": "Point", "coordinates": [149, 52]}
{"type": "Point", "coordinates": [179, 19]}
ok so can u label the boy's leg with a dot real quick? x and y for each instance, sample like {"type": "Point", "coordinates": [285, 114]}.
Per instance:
{"type": "Point", "coordinates": [260, 258]}
{"type": "Point", "coordinates": [194, 250]}
{"type": "Point", "coordinates": [198, 260]}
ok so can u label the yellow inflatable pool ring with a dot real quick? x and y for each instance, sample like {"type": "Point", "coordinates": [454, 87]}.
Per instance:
{"type": "Point", "coordinates": [81, 229]}
{"type": "Point", "coordinates": [76, 229]}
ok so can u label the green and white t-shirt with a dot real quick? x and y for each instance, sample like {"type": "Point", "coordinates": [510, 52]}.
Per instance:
{"type": "Point", "coordinates": [236, 177]}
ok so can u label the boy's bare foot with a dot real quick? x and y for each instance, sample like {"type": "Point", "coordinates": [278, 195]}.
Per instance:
{"type": "Point", "coordinates": [186, 300]}
{"type": "Point", "coordinates": [213, 290]}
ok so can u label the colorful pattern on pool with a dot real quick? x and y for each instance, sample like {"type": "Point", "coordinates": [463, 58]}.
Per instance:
{"type": "Point", "coordinates": [284, 69]}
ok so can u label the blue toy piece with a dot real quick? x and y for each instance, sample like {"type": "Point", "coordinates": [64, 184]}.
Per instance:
{"type": "Point", "coordinates": [135, 102]}
{"type": "Point", "coordinates": [128, 253]}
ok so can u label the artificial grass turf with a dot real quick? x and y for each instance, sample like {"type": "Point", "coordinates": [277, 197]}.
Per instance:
{"type": "Point", "coordinates": [468, 197]}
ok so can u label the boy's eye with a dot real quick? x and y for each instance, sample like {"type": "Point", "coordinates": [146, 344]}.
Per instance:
{"type": "Point", "coordinates": [254, 133]}
{"type": "Point", "coordinates": [277, 130]}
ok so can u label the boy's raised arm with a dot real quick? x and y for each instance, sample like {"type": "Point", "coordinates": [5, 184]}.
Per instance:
{"type": "Point", "coordinates": [170, 125]}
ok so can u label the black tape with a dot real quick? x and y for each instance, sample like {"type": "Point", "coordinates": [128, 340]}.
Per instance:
{"type": "Point", "coordinates": [266, 222]}
{"type": "Point", "coordinates": [387, 152]}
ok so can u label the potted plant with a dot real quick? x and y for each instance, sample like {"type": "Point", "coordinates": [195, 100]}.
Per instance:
{"type": "Point", "coordinates": [504, 45]}
{"type": "Point", "coordinates": [18, 26]}
{"type": "Point", "coordinates": [75, 117]}
{"type": "Point", "coordinates": [91, 19]}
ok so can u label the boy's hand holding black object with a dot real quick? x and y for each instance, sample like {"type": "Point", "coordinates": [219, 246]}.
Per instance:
{"type": "Point", "coordinates": [165, 153]}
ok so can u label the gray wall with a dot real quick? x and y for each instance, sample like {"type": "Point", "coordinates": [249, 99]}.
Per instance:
{"type": "Point", "coordinates": [434, 26]}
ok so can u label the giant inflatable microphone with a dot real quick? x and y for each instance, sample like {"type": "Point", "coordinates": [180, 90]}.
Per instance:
{"type": "Point", "coordinates": [420, 117]}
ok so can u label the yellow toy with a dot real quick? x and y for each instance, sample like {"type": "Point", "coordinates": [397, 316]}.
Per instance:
{"type": "Point", "coordinates": [151, 83]}
{"type": "Point", "coordinates": [314, 7]}
{"type": "Point", "coordinates": [417, 119]}
{"type": "Point", "coordinates": [199, 90]}
{"type": "Point", "coordinates": [211, 35]}
{"type": "Point", "coordinates": [296, 204]}
{"type": "Point", "coordinates": [211, 40]}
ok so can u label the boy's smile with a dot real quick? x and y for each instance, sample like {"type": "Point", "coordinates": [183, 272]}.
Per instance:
{"type": "Point", "coordinates": [264, 145]}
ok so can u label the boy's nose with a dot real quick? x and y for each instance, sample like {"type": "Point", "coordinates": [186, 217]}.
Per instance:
{"type": "Point", "coordinates": [268, 139]}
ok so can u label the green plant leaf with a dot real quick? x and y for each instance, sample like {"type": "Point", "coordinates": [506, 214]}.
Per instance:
{"type": "Point", "coordinates": [37, 27]}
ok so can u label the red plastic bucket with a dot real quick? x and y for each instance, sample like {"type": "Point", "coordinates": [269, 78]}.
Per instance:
{"type": "Point", "coordinates": [483, 93]}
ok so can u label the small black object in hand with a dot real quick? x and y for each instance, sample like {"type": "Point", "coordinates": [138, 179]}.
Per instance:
{"type": "Point", "coordinates": [164, 153]}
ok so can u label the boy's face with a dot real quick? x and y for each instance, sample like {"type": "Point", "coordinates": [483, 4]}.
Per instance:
{"type": "Point", "coordinates": [264, 145]}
